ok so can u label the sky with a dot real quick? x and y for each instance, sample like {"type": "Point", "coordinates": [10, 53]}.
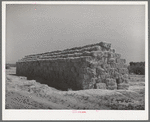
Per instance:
{"type": "Point", "coordinates": [35, 28]}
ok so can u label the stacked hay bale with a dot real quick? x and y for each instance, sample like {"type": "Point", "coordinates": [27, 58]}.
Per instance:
{"type": "Point", "coordinates": [92, 66]}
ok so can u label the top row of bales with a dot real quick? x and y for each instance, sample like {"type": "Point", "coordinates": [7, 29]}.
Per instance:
{"type": "Point", "coordinates": [88, 50]}
{"type": "Point", "coordinates": [93, 47]}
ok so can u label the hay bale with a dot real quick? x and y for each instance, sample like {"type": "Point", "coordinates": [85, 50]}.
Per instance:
{"type": "Point", "coordinates": [91, 48]}
{"type": "Point", "coordinates": [91, 86]}
{"type": "Point", "coordinates": [119, 80]}
{"type": "Point", "coordinates": [106, 46]}
{"type": "Point", "coordinates": [99, 55]}
{"type": "Point", "coordinates": [111, 71]}
{"type": "Point", "coordinates": [111, 60]}
{"type": "Point", "coordinates": [125, 80]}
{"type": "Point", "coordinates": [103, 77]}
{"type": "Point", "coordinates": [95, 48]}
{"type": "Point", "coordinates": [126, 76]}
{"type": "Point", "coordinates": [107, 75]}
{"type": "Point", "coordinates": [99, 70]}
{"type": "Point", "coordinates": [104, 65]}
{"type": "Point", "coordinates": [86, 53]}
{"type": "Point", "coordinates": [98, 80]}
{"type": "Point", "coordinates": [113, 65]}
{"type": "Point", "coordinates": [93, 64]}
{"type": "Point", "coordinates": [111, 55]}
{"type": "Point", "coordinates": [120, 70]}
{"type": "Point", "coordinates": [112, 87]}
{"type": "Point", "coordinates": [105, 60]}
{"type": "Point", "coordinates": [110, 81]}
{"type": "Point", "coordinates": [124, 86]}
{"type": "Point", "coordinates": [90, 72]}
{"type": "Point", "coordinates": [117, 60]}
{"type": "Point", "coordinates": [123, 61]}
{"type": "Point", "coordinates": [116, 74]}
{"type": "Point", "coordinates": [117, 55]}
{"type": "Point", "coordinates": [123, 70]}
{"type": "Point", "coordinates": [77, 54]}
{"type": "Point", "coordinates": [112, 50]}
{"type": "Point", "coordinates": [106, 54]}
{"type": "Point", "coordinates": [93, 54]}
{"type": "Point", "coordinates": [93, 80]}
{"type": "Point", "coordinates": [111, 84]}
{"type": "Point", "coordinates": [100, 86]}
{"type": "Point", "coordinates": [125, 66]}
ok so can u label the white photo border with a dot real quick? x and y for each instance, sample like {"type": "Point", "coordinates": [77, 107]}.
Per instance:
{"type": "Point", "coordinates": [23, 114]}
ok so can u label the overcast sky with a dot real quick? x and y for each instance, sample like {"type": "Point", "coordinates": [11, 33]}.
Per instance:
{"type": "Point", "coordinates": [32, 29]}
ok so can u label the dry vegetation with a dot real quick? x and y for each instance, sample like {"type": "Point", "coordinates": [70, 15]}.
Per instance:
{"type": "Point", "coordinates": [29, 94]}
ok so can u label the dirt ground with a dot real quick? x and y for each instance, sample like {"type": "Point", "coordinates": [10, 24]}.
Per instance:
{"type": "Point", "coordinates": [29, 94]}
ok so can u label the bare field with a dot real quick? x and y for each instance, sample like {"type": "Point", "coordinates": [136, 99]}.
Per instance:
{"type": "Point", "coordinates": [29, 94]}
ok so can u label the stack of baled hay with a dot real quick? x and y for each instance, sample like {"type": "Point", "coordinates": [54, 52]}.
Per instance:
{"type": "Point", "coordinates": [94, 66]}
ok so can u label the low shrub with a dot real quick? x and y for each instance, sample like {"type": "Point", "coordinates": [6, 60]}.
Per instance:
{"type": "Point", "coordinates": [126, 104]}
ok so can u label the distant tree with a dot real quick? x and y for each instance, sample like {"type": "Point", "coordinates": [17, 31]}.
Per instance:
{"type": "Point", "coordinates": [137, 68]}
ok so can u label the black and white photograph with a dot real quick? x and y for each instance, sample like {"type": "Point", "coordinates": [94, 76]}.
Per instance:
{"type": "Point", "coordinates": [75, 60]}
